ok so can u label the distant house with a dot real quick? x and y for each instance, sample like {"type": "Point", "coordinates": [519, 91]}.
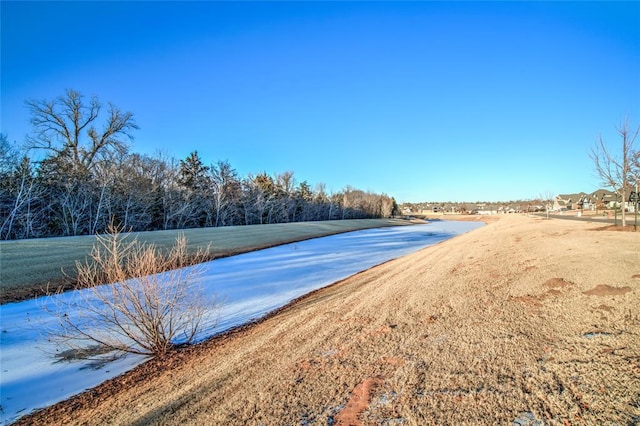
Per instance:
{"type": "Point", "coordinates": [485, 209]}
{"type": "Point", "coordinates": [604, 198]}
{"type": "Point", "coordinates": [601, 198]}
{"type": "Point", "coordinates": [569, 201]}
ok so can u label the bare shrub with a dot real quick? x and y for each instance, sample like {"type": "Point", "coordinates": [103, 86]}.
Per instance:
{"type": "Point", "coordinates": [152, 301]}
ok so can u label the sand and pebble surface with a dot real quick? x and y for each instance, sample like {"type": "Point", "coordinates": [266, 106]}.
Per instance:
{"type": "Point", "coordinates": [524, 321]}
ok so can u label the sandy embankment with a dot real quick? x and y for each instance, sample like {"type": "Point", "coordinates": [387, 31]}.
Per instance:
{"type": "Point", "coordinates": [522, 319]}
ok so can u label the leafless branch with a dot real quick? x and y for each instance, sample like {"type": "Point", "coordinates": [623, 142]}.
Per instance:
{"type": "Point", "coordinates": [143, 310]}
{"type": "Point", "coordinates": [614, 170]}
{"type": "Point", "coordinates": [59, 128]}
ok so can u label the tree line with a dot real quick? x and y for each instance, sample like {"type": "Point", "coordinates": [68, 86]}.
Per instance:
{"type": "Point", "coordinates": [86, 179]}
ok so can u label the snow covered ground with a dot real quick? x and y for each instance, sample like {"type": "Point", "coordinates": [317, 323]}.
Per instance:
{"type": "Point", "coordinates": [249, 285]}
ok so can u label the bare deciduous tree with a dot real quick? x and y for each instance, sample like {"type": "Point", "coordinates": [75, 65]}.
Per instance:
{"type": "Point", "coordinates": [226, 192]}
{"type": "Point", "coordinates": [20, 188]}
{"type": "Point", "coordinates": [615, 169]}
{"type": "Point", "coordinates": [547, 199]}
{"type": "Point", "coordinates": [65, 128]}
{"type": "Point", "coordinates": [151, 302]}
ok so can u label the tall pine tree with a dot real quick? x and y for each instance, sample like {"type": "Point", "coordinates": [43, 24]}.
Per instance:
{"type": "Point", "coordinates": [193, 174]}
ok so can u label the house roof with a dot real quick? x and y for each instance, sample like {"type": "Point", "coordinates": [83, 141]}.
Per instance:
{"type": "Point", "coordinates": [603, 195]}
{"type": "Point", "coordinates": [572, 198]}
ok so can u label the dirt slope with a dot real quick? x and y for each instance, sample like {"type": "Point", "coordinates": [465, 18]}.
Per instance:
{"type": "Point", "coordinates": [522, 320]}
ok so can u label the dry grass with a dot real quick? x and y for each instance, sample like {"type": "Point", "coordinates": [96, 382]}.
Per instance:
{"type": "Point", "coordinates": [143, 312]}
{"type": "Point", "coordinates": [495, 325]}
{"type": "Point", "coordinates": [27, 267]}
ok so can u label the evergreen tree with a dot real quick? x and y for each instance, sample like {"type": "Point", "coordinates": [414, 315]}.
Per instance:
{"type": "Point", "coordinates": [193, 174]}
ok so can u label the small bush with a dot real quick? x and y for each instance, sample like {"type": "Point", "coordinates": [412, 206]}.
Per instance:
{"type": "Point", "coordinates": [152, 301]}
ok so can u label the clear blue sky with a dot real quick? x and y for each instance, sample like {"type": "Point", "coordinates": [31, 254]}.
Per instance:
{"type": "Point", "coordinates": [419, 100]}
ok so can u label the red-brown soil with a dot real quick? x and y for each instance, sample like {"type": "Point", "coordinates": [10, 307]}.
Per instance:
{"type": "Point", "coordinates": [607, 290]}
{"type": "Point", "coordinates": [360, 398]}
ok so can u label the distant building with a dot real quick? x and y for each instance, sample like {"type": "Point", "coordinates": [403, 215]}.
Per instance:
{"type": "Point", "coordinates": [599, 199]}
{"type": "Point", "coordinates": [569, 201]}
{"type": "Point", "coordinates": [604, 198]}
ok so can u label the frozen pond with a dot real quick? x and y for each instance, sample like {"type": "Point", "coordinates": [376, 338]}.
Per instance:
{"type": "Point", "coordinates": [249, 285]}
